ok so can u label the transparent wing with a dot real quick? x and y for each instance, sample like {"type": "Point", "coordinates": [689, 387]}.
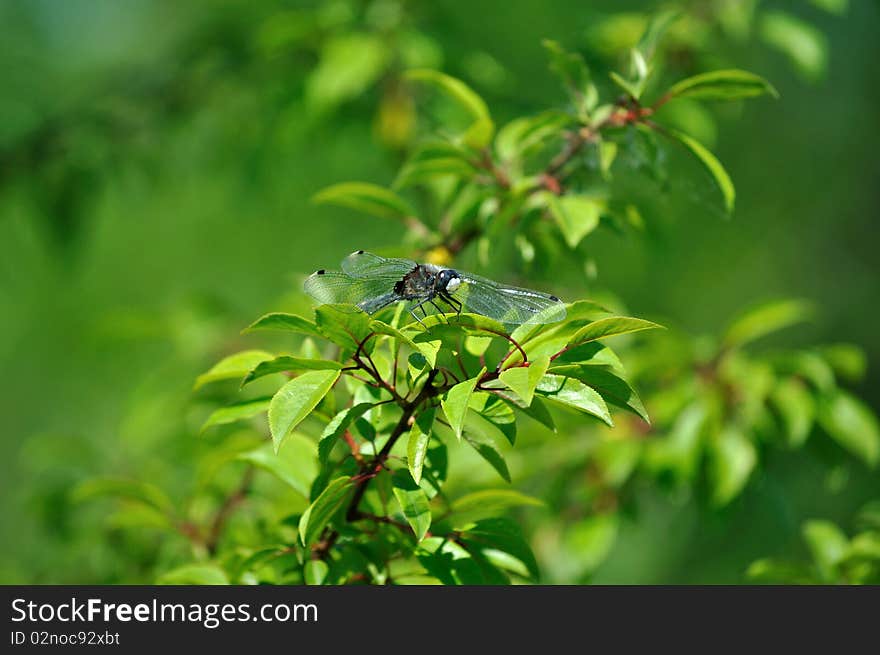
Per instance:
{"type": "Point", "coordinates": [505, 304]}
{"type": "Point", "coordinates": [333, 287]}
{"type": "Point", "coordinates": [365, 264]}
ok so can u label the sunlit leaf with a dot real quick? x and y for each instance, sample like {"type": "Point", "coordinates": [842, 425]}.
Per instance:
{"type": "Point", "coordinates": [413, 503]}
{"type": "Point", "coordinates": [710, 163]}
{"type": "Point", "coordinates": [573, 393]}
{"type": "Point", "coordinates": [766, 319]}
{"type": "Point", "coordinates": [295, 463]}
{"type": "Point", "coordinates": [295, 400]}
{"type": "Point", "coordinates": [455, 402]}
{"type": "Point", "coordinates": [233, 367]}
{"type": "Point", "coordinates": [728, 84]}
{"type": "Point", "coordinates": [732, 457]}
{"type": "Point", "coordinates": [237, 412]}
{"type": "Point", "coordinates": [417, 443]}
{"type": "Point", "coordinates": [480, 132]}
{"type": "Point", "coordinates": [368, 198]}
{"type": "Point", "coordinates": [852, 424]}
{"type": "Point", "coordinates": [286, 363]}
{"type": "Point", "coordinates": [523, 380]}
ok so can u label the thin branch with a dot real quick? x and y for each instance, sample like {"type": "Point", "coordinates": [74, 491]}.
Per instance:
{"type": "Point", "coordinates": [225, 510]}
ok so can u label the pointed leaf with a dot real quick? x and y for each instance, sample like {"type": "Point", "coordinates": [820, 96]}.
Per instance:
{"type": "Point", "coordinates": [369, 198]}
{"type": "Point", "coordinates": [233, 366]}
{"type": "Point", "coordinates": [573, 393]}
{"type": "Point", "coordinates": [613, 389]}
{"type": "Point", "coordinates": [733, 457]}
{"type": "Point", "coordinates": [315, 571]}
{"type": "Point", "coordinates": [488, 503]}
{"type": "Point", "coordinates": [286, 363]}
{"type": "Point", "coordinates": [609, 327]}
{"type": "Point", "coordinates": [729, 84]}
{"type": "Point", "coordinates": [237, 412]}
{"type": "Point", "coordinates": [480, 132]}
{"type": "Point", "coordinates": [576, 215]}
{"type": "Point", "coordinates": [710, 163]}
{"type": "Point", "coordinates": [295, 463]}
{"type": "Point", "coordinates": [417, 445]}
{"type": "Point", "coordinates": [337, 426]}
{"type": "Point", "coordinates": [295, 400]}
{"type": "Point", "coordinates": [523, 380]}
{"type": "Point", "coordinates": [455, 402]}
{"type": "Point", "coordinates": [852, 424]}
{"type": "Point", "coordinates": [319, 513]}
{"type": "Point", "coordinates": [413, 503]}
{"type": "Point", "coordinates": [286, 322]}
{"type": "Point", "coordinates": [766, 319]}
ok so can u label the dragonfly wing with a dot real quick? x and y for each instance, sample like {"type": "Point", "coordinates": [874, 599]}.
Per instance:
{"type": "Point", "coordinates": [505, 304]}
{"type": "Point", "coordinates": [361, 264]}
{"type": "Point", "coordinates": [333, 287]}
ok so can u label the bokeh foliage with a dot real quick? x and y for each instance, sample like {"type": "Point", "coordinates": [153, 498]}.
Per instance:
{"type": "Point", "coordinates": [159, 197]}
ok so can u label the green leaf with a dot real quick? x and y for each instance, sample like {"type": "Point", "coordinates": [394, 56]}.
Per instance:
{"type": "Point", "coordinates": [488, 503]}
{"type": "Point", "coordinates": [732, 457]}
{"type": "Point", "coordinates": [433, 160]}
{"type": "Point", "coordinates": [319, 513]}
{"type": "Point", "coordinates": [487, 447]}
{"type": "Point", "coordinates": [710, 163]}
{"type": "Point", "coordinates": [848, 361]}
{"type": "Point", "coordinates": [194, 574]}
{"type": "Point", "coordinates": [337, 426]}
{"type": "Point", "coordinates": [590, 540]}
{"type": "Point", "coordinates": [134, 490]}
{"type": "Point", "coordinates": [576, 215]}
{"type": "Point", "coordinates": [343, 325]}
{"type": "Point", "coordinates": [295, 400]}
{"type": "Point", "coordinates": [349, 64]}
{"type": "Point", "coordinates": [233, 366]}
{"type": "Point", "coordinates": [852, 424]}
{"type": "Point", "coordinates": [838, 7]}
{"type": "Point", "coordinates": [804, 45]}
{"type": "Point", "coordinates": [521, 136]}
{"type": "Point", "coordinates": [609, 327]}
{"type": "Point", "coordinates": [480, 132]}
{"type": "Point", "coordinates": [413, 503]}
{"type": "Point", "coordinates": [286, 322]}
{"type": "Point", "coordinates": [368, 198]}
{"type": "Point", "coordinates": [632, 89]}
{"type": "Point", "coordinates": [455, 402]}
{"type": "Point", "coordinates": [728, 84]}
{"type": "Point", "coordinates": [613, 389]}
{"type": "Point", "coordinates": [573, 393]}
{"type": "Point", "coordinates": [237, 412]}
{"type": "Point", "coordinates": [766, 319]}
{"type": "Point", "coordinates": [796, 408]}
{"type": "Point", "coordinates": [568, 66]}
{"type": "Point", "coordinates": [523, 380]}
{"type": "Point", "coordinates": [657, 27]}
{"type": "Point", "coordinates": [778, 572]}
{"type": "Point", "coordinates": [502, 534]}
{"type": "Point", "coordinates": [417, 444]}
{"type": "Point", "coordinates": [295, 463]}
{"type": "Point", "coordinates": [828, 546]}
{"type": "Point", "coordinates": [286, 363]}
{"type": "Point", "coordinates": [315, 571]}
{"type": "Point", "coordinates": [678, 452]}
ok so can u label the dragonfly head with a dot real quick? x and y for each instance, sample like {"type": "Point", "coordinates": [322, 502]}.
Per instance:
{"type": "Point", "coordinates": [448, 280]}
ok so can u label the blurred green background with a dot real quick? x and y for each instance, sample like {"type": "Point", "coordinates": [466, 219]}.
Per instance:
{"type": "Point", "coordinates": [156, 164]}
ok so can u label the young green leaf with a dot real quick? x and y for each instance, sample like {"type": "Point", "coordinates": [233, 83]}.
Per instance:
{"type": "Point", "coordinates": [455, 402]}
{"type": "Point", "coordinates": [233, 366]}
{"type": "Point", "coordinates": [523, 380]}
{"type": "Point", "coordinates": [295, 400]}
{"type": "Point", "coordinates": [433, 160]}
{"type": "Point", "coordinates": [728, 84]}
{"type": "Point", "coordinates": [135, 490]}
{"type": "Point", "coordinates": [237, 412]}
{"type": "Point", "coordinates": [828, 546]}
{"type": "Point", "coordinates": [796, 408]}
{"type": "Point", "coordinates": [319, 513]}
{"type": "Point", "coordinates": [804, 44]}
{"type": "Point", "coordinates": [573, 393]}
{"type": "Point", "coordinates": [286, 363]}
{"type": "Point", "coordinates": [417, 444]}
{"type": "Point", "coordinates": [369, 198]}
{"type": "Point", "coordinates": [286, 322]}
{"type": "Point", "coordinates": [576, 215]}
{"type": "Point", "coordinates": [479, 133]}
{"type": "Point", "coordinates": [852, 424]}
{"type": "Point", "coordinates": [413, 503]}
{"type": "Point", "coordinates": [710, 163]}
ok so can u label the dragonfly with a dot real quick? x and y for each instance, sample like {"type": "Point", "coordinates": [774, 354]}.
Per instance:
{"type": "Point", "coordinates": [372, 283]}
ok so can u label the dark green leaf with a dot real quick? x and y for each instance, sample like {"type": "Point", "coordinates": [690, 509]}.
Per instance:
{"type": "Point", "coordinates": [488, 503]}
{"type": "Point", "coordinates": [503, 535]}
{"type": "Point", "coordinates": [337, 426]}
{"type": "Point", "coordinates": [319, 513]}
{"type": "Point", "coordinates": [487, 447]}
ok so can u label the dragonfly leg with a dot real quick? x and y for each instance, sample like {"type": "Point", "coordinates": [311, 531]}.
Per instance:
{"type": "Point", "coordinates": [452, 302]}
{"type": "Point", "coordinates": [439, 309]}
{"type": "Point", "coordinates": [416, 316]}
